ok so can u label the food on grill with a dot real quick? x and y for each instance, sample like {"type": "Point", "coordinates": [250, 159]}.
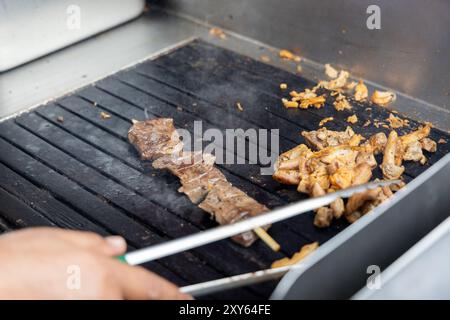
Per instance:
{"type": "Point", "coordinates": [341, 103]}
{"type": "Point", "coordinates": [239, 106]}
{"type": "Point", "coordinates": [201, 181]}
{"type": "Point", "coordinates": [288, 55]}
{"type": "Point", "coordinates": [155, 138]}
{"type": "Point", "coordinates": [217, 32]}
{"type": "Point", "coordinates": [297, 257]}
{"type": "Point", "coordinates": [316, 102]}
{"type": "Point", "coordinates": [408, 147]}
{"type": "Point", "coordinates": [392, 160]}
{"type": "Point", "coordinates": [396, 122]}
{"type": "Point", "coordinates": [383, 98]}
{"type": "Point", "coordinates": [228, 204]}
{"type": "Point", "coordinates": [378, 142]}
{"type": "Point", "coordinates": [337, 83]}
{"type": "Point", "coordinates": [330, 71]}
{"type": "Point", "coordinates": [283, 86]}
{"type": "Point", "coordinates": [352, 119]}
{"type": "Point", "coordinates": [196, 172]}
{"type": "Point", "coordinates": [104, 115]}
{"type": "Point", "coordinates": [428, 145]}
{"type": "Point", "coordinates": [290, 104]}
{"type": "Point", "coordinates": [325, 120]}
{"type": "Point", "coordinates": [361, 91]}
{"type": "Point", "coordinates": [323, 138]}
{"type": "Point", "coordinates": [265, 58]}
{"type": "Point", "coordinates": [341, 159]}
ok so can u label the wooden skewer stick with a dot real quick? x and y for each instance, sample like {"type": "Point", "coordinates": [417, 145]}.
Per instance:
{"type": "Point", "coordinates": [264, 236]}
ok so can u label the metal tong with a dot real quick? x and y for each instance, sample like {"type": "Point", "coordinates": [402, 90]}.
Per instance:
{"type": "Point", "coordinates": [168, 248]}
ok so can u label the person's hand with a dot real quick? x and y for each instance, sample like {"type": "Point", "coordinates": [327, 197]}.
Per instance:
{"type": "Point", "coordinates": [49, 263]}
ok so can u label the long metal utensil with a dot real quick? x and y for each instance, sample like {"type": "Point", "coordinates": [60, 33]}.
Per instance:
{"type": "Point", "coordinates": [168, 248]}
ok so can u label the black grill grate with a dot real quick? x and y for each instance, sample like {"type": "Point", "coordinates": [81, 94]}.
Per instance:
{"type": "Point", "coordinates": [83, 174]}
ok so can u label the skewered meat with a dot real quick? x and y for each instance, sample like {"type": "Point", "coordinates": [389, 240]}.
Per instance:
{"type": "Point", "coordinates": [378, 142]}
{"type": "Point", "coordinates": [390, 166]}
{"type": "Point", "coordinates": [196, 172]}
{"type": "Point", "coordinates": [323, 137]}
{"type": "Point", "coordinates": [428, 145]}
{"type": "Point", "coordinates": [155, 138]}
{"type": "Point", "coordinates": [297, 257]}
{"type": "Point", "coordinates": [228, 204]}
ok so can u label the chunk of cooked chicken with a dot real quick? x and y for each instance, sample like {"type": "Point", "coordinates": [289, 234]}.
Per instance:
{"type": "Point", "coordinates": [416, 135]}
{"type": "Point", "coordinates": [338, 208]}
{"type": "Point", "coordinates": [428, 145]}
{"type": "Point", "coordinates": [362, 174]}
{"type": "Point", "coordinates": [291, 158]}
{"type": "Point", "coordinates": [378, 142]}
{"type": "Point", "coordinates": [383, 98]}
{"type": "Point", "coordinates": [367, 156]}
{"type": "Point", "coordinates": [323, 217]}
{"type": "Point", "coordinates": [291, 177]}
{"type": "Point", "coordinates": [390, 167]}
{"type": "Point", "coordinates": [361, 91]}
{"type": "Point", "coordinates": [357, 200]}
{"type": "Point", "coordinates": [322, 138]}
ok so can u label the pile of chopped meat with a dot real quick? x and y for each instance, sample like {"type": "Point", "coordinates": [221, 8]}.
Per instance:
{"type": "Point", "coordinates": [201, 181]}
{"type": "Point", "coordinates": [333, 160]}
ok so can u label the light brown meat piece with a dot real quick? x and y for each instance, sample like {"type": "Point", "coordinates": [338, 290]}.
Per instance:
{"type": "Point", "coordinates": [416, 135]}
{"type": "Point", "coordinates": [338, 208]}
{"type": "Point", "coordinates": [155, 138]}
{"type": "Point", "coordinates": [196, 172]}
{"type": "Point", "coordinates": [228, 204]}
{"type": "Point", "coordinates": [323, 138]}
{"type": "Point", "coordinates": [378, 142]}
{"type": "Point", "coordinates": [390, 167]}
{"type": "Point", "coordinates": [297, 257]}
{"type": "Point", "coordinates": [428, 145]}
{"type": "Point", "coordinates": [413, 152]}
{"type": "Point", "coordinates": [366, 156]}
{"type": "Point", "coordinates": [357, 200]}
